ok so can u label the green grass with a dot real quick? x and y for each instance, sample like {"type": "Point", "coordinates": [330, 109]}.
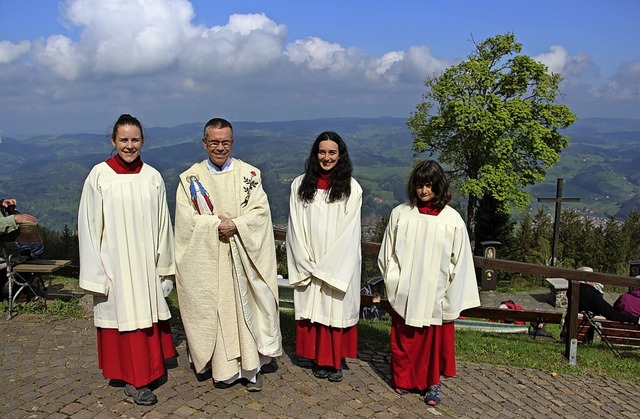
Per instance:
{"type": "Point", "coordinates": [513, 350]}
{"type": "Point", "coordinates": [524, 352]}
{"type": "Point", "coordinates": [520, 283]}
{"type": "Point", "coordinates": [56, 283]}
{"type": "Point", "coordinates": [56, 309]}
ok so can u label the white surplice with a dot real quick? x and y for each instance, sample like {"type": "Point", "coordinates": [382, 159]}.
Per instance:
{"type": "Point", "coordinates": [427, 265]}
{"type": "Point", "coordinates": [324, 256]}
{"type": "Point", "coordinates": [126, 244]}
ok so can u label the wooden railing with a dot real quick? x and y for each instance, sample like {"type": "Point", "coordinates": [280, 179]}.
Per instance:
{"type": "Point", "coordinates": [574, 277]}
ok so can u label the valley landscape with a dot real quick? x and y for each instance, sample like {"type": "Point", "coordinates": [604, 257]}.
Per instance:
{"type": "Point", "coordinates": [45, 173]}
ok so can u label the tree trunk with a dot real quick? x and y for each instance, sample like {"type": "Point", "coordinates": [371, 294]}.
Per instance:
{"type": "Point", "coordinates": [472, 210]}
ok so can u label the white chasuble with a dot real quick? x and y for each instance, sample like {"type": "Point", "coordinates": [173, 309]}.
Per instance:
{"type": "Point", "coordinates": [227, 290]}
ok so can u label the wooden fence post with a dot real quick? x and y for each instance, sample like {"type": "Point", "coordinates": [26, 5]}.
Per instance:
{"type": "Point", "coordinates": [571, 343]}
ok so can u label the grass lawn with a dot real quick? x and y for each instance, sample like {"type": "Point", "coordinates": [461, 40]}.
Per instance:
{"type": "Point", "coordinates": [515, 350]}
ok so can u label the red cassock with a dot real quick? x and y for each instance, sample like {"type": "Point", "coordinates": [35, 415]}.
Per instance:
{"type": "Point", "coordinates": [324, 344]}
{"type": "Point", "coordinates": [136, 357]}
{"type": "Point", "coordinates": [420, 355]}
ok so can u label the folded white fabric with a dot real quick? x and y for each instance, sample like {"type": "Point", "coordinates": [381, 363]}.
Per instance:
{"type": "Point", "coordinates": [167, 287]}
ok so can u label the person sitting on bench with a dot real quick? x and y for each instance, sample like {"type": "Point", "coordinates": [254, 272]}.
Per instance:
{"type": "Point", "coordinates": [592, 301]}
{"type": "Point", "coordinates": [629, 302]}
{"type": "Point", "coordinates": [10, 220]}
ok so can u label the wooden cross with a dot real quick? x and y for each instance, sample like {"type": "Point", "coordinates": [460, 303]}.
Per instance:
{"type": "Point", "coordinates": [556, 222]}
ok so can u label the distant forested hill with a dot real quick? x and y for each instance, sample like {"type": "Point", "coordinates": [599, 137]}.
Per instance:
{"type": "Point", "coordinates": [46, 173]}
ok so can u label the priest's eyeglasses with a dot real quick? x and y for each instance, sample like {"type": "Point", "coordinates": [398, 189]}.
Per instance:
{"type": "Point", "coordinates": [215, 144]}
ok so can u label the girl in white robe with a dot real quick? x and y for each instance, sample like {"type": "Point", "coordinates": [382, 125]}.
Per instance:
{"type": "Point", "coordinates": [126, 262]}
{"type": "Point", "coordinates": [324, 257]}
{"type": "Point", "coordinates": [427, 264]}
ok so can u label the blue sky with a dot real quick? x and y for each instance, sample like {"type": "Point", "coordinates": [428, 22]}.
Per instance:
{"type": "Point", "coordinates": [75, 65]}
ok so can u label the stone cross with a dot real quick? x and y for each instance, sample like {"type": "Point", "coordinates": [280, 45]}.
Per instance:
{"type": "Point", "coordinates": [556, 221]}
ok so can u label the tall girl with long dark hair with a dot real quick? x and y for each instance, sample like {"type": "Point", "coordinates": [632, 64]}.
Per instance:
{"type": "Point", "coordinates": [324, 257]}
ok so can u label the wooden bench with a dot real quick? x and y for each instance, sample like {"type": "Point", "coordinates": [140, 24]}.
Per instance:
{"type": "Point", "coordinates": [489, 313]}
{"type": "Point", "coordinates": [621, 334]}
{"type": "Point", "coordinates": [26, 274]}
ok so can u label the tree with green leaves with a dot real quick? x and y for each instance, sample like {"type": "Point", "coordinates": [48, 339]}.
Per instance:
{"type": "Point", "coordinates": [492, 121]}
{"type": "Point", "coordinates": [492, 224]}
{"type": "Point", "coordinates": [616, 248]}
{"type": "Point", "coordinates": [632, 228]}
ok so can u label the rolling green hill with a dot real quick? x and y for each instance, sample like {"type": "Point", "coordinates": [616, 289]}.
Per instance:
{"type": "Point", "coordinates": [46, 173]}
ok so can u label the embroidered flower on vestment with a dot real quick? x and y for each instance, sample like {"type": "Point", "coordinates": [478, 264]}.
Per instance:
{"type": "Point", "coordinates": [250, 184]}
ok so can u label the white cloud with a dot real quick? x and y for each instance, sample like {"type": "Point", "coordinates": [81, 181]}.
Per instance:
{"type": "Point", "coordinates": [420, 62]}
{"type": "Point", "coordinates": [245, 45]}
{"type": "Point", "coordinates": [319, 62]}
{"type": "Point", "coordinates": [624, 86]}
{"type": "Point", "coordinates": [153, 55]}
{"type": "Point", "coordinates": [316, 54]}
{"type": "Point", "coordinates": [60, 56]}
{"type": "Point", "coordinates": [128, 37]}
{"type": "Point", "coordinates": [387, 62]}
{"type": "Point", "coordinates": [558, 60]}
{"type": "Point", "coordinates": [10, 52]}
{"type": "Point", "coordinates": [582, 81]}
{"type": "Point", "coordinates": [146, 37]}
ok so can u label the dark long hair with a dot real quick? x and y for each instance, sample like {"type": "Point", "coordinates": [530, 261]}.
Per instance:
{"type": "Point", "coordinates": [340, 174]}
{"type": "Point", "coordinates": [429, 172]}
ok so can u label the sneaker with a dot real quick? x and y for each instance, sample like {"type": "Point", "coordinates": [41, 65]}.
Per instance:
{"type": "Point", "coordinates": [321, 373]}
{"type": "Point", "coordinates": [257, 386]}
{"type": "Point", "coordinates": [433, 397]}
{"type": "Point", "coordinates": [142, 396]}
{"type": "Point", "coordinates": [336, 376]}
{"type": "Point", "coordinates": [269, 368]}
{"type": "Point", "coordinates": [222, 384]}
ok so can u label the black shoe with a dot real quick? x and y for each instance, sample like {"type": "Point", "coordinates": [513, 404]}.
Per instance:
{"type": "Point", "coordinates": [336, 376]}
{"type": "Point", "coordinates": [222, 384]}
{"type": "Point", "coordinates": [321, 373]}
{"type": "Point", "coordinates": [269, 368]}
{"type": "Point", "coordinates": [142, 396]}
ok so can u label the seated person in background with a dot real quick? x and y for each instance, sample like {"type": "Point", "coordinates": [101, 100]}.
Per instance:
{"type": "Point", "coordinates": [592, 300]}
{"type": "Point", "coordinates": [629, 302]}
{"type": "Point", "coordinates": [10, 220]}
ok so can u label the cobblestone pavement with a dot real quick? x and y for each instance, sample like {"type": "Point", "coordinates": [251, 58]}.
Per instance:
{"type": "Point", "coordinates": [48, 368]}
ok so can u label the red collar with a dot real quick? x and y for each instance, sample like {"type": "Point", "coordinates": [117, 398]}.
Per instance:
{"type": "Point", "coordinates": [123, 168]}
{"type": "Point", "coordinates": [428, 208]}
{"type": "Point", "coordinates": [324, 182]}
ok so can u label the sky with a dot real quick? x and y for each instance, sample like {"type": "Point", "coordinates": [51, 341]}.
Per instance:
{"type": "Point", "coordinates": [75, 65]}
